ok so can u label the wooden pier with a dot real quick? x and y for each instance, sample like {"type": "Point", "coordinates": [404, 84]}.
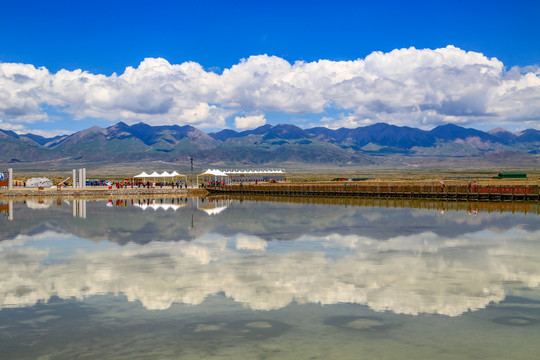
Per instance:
{"type": "Point", "coordinates": [450, 192]}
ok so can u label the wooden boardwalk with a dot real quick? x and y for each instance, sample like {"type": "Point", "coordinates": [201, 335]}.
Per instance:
{"type": "Point", "coordinates": [450, 192]}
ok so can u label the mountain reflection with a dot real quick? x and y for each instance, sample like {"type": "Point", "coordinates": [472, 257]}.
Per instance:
{"type": "Point", "coordinates": [408, 260]}
{"type": "Point", "coordinates": [144, 220]}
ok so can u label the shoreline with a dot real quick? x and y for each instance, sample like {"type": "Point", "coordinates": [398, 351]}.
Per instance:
{"type": "Point", "coordinates": [495, 190]}
{"type": "Point", "coordinates": [100, 193]}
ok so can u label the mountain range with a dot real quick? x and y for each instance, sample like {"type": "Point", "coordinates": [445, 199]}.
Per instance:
{"type": "Point", "coordinates": [268, 144]}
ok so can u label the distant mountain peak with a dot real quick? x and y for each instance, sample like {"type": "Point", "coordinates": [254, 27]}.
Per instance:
{"type": "Point", "coordinates": [265, 144]}
{"type": "Point", "coordinates": [498, 130]}
{"type": "Point", "coordinates": [119, 125]}
{"type": "Point", "coordinates": [9, 133]}
{"type": "Point", "coordinates": [91, 130]}
{"type": "Point", "coordinates": [286, 131]}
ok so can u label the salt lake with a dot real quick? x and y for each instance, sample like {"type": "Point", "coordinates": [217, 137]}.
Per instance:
{"type": "Point", "coordinates": [269, 278]}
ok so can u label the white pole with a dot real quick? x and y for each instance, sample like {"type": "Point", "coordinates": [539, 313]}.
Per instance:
{"type": "Point", "coordinates": [10, 178]}
{"type": "Point", "coordinates": [74, 178]}
{"type": "Point", "coordinates": [10, 210]}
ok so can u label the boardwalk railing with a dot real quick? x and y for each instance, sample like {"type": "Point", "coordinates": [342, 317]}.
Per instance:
{"type": "Point", "coordinates": [493, 193]}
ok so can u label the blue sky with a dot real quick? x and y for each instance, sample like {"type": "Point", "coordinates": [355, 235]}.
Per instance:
{"type": "Point", "coordinates": [106, 37]}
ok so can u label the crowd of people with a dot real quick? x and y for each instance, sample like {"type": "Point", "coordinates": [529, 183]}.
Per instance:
{"type": "Point", "coordinates": [148, 184]}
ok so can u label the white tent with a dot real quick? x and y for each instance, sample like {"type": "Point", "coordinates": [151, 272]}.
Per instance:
{"type": "Point", "coordinates": [142, 175]}
{"type": "Point", "coordinates": [212, 173]}
{"type": "Point", "coordinates": [155, 175]}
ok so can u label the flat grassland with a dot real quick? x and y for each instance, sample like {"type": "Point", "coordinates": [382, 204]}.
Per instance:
{"type": "Point", "coordinates": [449, 177]}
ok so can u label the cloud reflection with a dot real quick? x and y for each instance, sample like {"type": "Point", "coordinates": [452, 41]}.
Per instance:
{"type": "Point", "coordinates": [421, 273]}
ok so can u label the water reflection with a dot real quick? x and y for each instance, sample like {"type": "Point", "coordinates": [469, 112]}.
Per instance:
{"type": "Point", "coordinates": [122, 221]}
{"type": "Point", "coordinates": [6, 210]}
{"type": "Point", "coordinates": [408, 260]}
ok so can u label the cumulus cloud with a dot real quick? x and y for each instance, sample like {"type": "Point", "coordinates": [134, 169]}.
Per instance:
{"type": "Point", "coordinates": [249, 122]}
{"type": "Point", "coordinates": [414, 87]}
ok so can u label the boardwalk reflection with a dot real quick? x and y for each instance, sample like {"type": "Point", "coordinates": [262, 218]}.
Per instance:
{"type": "Point", "coordinates": [440, 205]}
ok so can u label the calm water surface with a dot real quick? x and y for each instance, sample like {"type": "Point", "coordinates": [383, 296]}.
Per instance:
{"type": "Point", "coordinates": [253, 278]}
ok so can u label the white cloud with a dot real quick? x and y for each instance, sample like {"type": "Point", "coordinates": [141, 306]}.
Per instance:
{"type": "Point", "coordinates": [349, 121]}
{"type": "Point", "coordinates": [414, 87]}
{"type": "Point", "coordinates": [44, 133]}
{"type": "Point", "coordinates": [8, 126]}
{"type": "Point", "coordinates": [249, 122]}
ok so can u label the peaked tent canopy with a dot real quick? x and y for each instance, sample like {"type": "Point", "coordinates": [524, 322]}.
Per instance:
{"type": "Point", "coordinates": [155, 174]}
{"type": "Point", "coordinates": [215, 173]}
{"type": "Point", "coordinates": [142, 175]}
